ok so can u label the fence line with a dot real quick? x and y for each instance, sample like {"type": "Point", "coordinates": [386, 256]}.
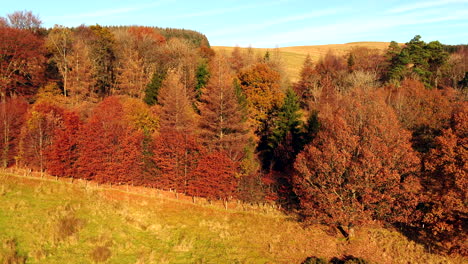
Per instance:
{"type": "Point", "coordinates": [231, 205]}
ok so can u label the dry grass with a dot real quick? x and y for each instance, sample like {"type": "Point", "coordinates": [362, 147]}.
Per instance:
{"type": "Point", "coordinates": [293, 57]}
{"type": "Point", "coordinates": [58, 221]}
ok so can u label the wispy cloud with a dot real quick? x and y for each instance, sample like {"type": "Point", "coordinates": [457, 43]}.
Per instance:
{"type": "Point", "coordinates": [110, 12]}
{"type": "Point", "coordinates": [221, 11]}
{"type": "Point", "coordinates": [424, 5]}
{"type": "Point", "coordinates": [273, 22]}
{"type": "Point", "coordinates": [353, 28]}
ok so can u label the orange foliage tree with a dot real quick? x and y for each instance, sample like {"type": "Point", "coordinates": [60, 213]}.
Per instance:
{"type": "Point", "coordinates": [446, 184]}
{"type": "Point", "coordinates": [359, 167]}
{"type": "Point", "coordinates": [261, 85]}
{"type": "Point", "coordinates": [306, 88]}
{"type": "Point", "coordinates": [222, 124]}
{"type": "Point", "coordinates": [423, 111]}
{"type": "Point", "coordinates": [175, 148]}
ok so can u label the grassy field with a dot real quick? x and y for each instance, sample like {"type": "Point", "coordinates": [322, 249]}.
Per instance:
{"type": "Point", "coordinates": [48, 221]}
{"type": "Point", "coordinates": [293, 57]}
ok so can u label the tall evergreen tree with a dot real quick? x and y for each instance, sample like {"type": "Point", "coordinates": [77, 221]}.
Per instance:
{"type": "Point", "coordinates": [152, 89]}
{"type": "Point", "coordinates": [285, 138]}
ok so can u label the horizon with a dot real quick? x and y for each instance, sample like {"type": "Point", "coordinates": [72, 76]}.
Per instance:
{"type": "Point", "coordinates": [270, 24]}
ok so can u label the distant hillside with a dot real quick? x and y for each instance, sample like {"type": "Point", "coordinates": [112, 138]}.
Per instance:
{"type": "Point", "coordinates": [293, 57]}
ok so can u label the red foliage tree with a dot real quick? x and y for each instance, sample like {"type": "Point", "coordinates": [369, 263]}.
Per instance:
{"type": "Point", "coordinates": [146, 34]}
{"type": "Point", "coordinates": [214, 177]}
{"type": "Point", "coordinates": [358, 166]}
{"type": "Point", "coordinates": [62, 154]}
{"type": "Point", "coordinates": [12, 117]}
{"type": "Point", "coordinates": [109, 149]}
{"type": "Point", "coordinates": [175, 156]}
{"type": "Point", "coordinates": [21, 62]}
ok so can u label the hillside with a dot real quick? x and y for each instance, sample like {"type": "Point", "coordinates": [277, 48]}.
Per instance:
{"type": "Point", "coordinates": [293, 57]}
{"type": "Point", "coordinates": [47, 221]}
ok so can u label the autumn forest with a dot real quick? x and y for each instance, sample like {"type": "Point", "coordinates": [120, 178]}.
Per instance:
{"type": "Point", "coordinates": [369, 137]}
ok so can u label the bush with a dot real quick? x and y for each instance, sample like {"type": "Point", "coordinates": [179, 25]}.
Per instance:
{"type": "Point", "coordinates": [314, 260]}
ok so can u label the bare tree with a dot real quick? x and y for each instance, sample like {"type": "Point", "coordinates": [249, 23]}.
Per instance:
{"type": "Point", "coordinates": [24, 20]}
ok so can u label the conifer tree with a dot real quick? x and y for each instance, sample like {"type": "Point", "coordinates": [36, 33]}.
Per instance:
{"type": "Point", "coordinates": [222, 125]}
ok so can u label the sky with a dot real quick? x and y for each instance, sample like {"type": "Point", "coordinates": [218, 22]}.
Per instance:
{"type": "Point", "coordinates": [268, 23]}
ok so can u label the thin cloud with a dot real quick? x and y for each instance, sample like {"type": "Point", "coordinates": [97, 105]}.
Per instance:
{"type": "Point", "coordinates": [110, 12]}
{"type": "Point", "coordinates": [350, 29]}
{"type": "Point", "coordinates": [424, 5]}
{"type": "Point", "coordinates": [276, 21]}
{"type": "Point", "coordinates": [221, 11]}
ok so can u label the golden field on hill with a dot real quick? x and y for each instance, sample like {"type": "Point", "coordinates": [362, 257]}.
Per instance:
{"type": "Point", "coordinates": [293, 57]}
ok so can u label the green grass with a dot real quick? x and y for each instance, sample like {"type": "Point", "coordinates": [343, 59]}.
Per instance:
{"type": "Point", "coordinates": [48, 221]}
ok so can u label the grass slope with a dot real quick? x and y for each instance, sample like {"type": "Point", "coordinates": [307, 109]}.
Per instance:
{"type": "Point", "coordinates": [293, 57]}
{"type": "Point", "coordinates": [47, 221]}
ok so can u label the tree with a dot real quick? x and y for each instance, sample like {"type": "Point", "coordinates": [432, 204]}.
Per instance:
{"type": "Point", "coordinates": [103, 57]}
{"type": "Point", "coordinates": [21, 62]}
{"type": "Point", "coordinates": [81, 82]}
{"type": "Point", "coordinates": [176, 111]}
{"type": "Point", "coordinates": [359, 167]}
{"type": "Point", "coordinates": [367, 60]}
{"type": "Point", "coordinates": [12, 116]}
{"type": "Point", "coordinates": [152, 89]}
{"type": "Point", "coordinates": [446, 183]}
{"type": "Point", "coordinates": [175, 156]}
{"type": "Point", "coordinates": [42, 121]}
{"type": "Point", "coordinates": [136, 59]}
{"type": "Point", "coordinates": [284, 141]}
{"type": "Point", "coordinates": [422, 111]}
{"type": "Point", "coordinates": [203, 75]}
{"type": "Point", "coordinates": [3, 22]}
{"type": "Point", "coordinates": [222, 124]}
{"type": "Point", "coordinates": [418, 58]}
{"type": "Point", "coordinates": [176, 148]}
{"type": "Point", "coordinates": [306, 88]}
{"type": "Point", "coordinates": [261, 85]}
{"type": "Point", "coordinates": [236, 60]}
{"type": "Point", "coordinates": [62, 154]}
{"type": "Point", "coordinates": [214, 177]}
{"type": "Point", "coordinates": [109, 148]}
{"type": "Point", "coordinates": [60, 44]}
{"type": "Point", "coordinates": [24, 20]}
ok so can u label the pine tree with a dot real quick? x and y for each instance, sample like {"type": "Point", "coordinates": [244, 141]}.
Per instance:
{"type": "Point", "coordinates": [203, 75]}
{"type": "Point", "coordinates": [284, 140]}
{"type": "Point", "coordinates": [153, 87]}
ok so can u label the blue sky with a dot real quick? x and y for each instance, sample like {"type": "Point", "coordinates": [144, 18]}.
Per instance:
{"type": "Point", "coordinates": [268, 23]}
